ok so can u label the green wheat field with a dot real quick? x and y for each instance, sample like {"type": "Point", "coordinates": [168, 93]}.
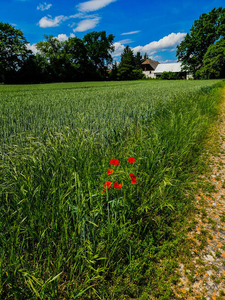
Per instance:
{"type": "Point", "coordinates": [63, 234]}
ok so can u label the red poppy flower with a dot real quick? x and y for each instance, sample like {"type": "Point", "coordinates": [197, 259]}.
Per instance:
{"type": "Point", "coordinates": [117, 185]}
{"type": "Point", "coordinates": [131, 160]}
{"type": "Point", "coordinates": [114, 161]}
{"type": "Point", "coordinates": [132, 176]}
{"type": "Point", "coordinates": [103, 191]}
{"type": "Point", "coordinates": [110, 171]}
{"type": "Point", "coordinates": [107, 184]}
{"type": "Point", "coordinates": [134, 181]}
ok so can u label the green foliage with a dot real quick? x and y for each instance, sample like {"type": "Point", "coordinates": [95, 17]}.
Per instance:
{"type": "Point", "coordinates": [138, 60]}
{"type": "Point", "coordinates": [113, 74]}
{"type": "Point", "coordinates": [71, 60]}
{"type": "Point", "coordinates": [59, 237]}
{"type": "Point", "coordinates": [214, 61]}
{"type": "Point", "coordinates": [208, 29]}
{"type": "Point", "coordinates": [145, 56]}
{"type": "Point", "coordinates": [13, 51]}
{"type": "Point", "coordinates": [170, 76]}
{"type": "Point", "coordinates": [129, 66]}
{"type": "Point", "coordinates": [99, 48]}
{"type": "Point", "coordinates": [64, 61]}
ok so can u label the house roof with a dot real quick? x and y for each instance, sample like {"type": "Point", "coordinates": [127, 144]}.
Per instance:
{"type": "Point", "coordinates": [174, 67]}
{"type": "Point", "coordinates": [152, 63]}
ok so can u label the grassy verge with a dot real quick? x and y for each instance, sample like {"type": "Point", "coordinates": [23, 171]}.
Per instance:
{"type": "Point", "coordinates": [60, 237]}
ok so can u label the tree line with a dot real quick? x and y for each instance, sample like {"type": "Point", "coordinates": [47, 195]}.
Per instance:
{"type": "Point", "coordinates": [202, 53]}
{"type": "Point", "coordinates": [71, 60]}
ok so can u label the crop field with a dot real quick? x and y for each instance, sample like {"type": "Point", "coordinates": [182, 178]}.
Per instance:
{"type": "Point", "coordinates": [96, 185]}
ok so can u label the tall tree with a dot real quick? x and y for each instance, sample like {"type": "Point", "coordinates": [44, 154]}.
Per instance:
{"type": "Point", "coordinates": [114, 72]}
{"type": "Point", "coordinates": [76, 60]}
{"type": "Point", "coordinates": [145, 56]}
{"type": "Point", "coordinates": [127, 50]}
{"type": "Point", "coordinates": [52, 51]}
{"type": "Point", "coordinates": [205, 32]}
{"type": "Point", "coordinates": [138, 60]}
{"type": "Point", "coordinates": [13, 50]}
{"type": "Point", "coordinates": [99, 49]}
{"type": "Point", "coordinates": [214, 61]}
{"type": "Point", "coordinates": [127, 64]}
{"type": "Point", "coordinates": [127, 67]}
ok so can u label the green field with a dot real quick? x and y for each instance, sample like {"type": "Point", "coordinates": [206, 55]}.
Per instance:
{"type": "Point", "coordinates": [60, 237]}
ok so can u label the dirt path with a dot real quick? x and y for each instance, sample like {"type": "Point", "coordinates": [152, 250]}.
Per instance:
{"type": "Point", "coordinates": [204, 278]}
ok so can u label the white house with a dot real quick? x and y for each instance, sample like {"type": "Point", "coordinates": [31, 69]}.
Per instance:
{"type": "Point", "coordinates": [148, 67]}
{"type": "Point", "coordinates": [174, 68]}
{"type": "Point", "coordinates": [150, 71]}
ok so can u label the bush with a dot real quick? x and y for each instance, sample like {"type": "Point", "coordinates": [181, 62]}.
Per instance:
{"type": "Point", "coordinates": [170, 76]}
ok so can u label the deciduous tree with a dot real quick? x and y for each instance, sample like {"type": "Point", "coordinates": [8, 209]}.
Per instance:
{"type": "Point", "coordinates": [52, 51]}
{"type": "Point", "coordinates": [13, 51]}
{"type": "Point", "coordinates": [208, 29]}
{"type": "Point", "coordinates": [99, 49]}
{"type": "Point", "coordinates": [214, 61]}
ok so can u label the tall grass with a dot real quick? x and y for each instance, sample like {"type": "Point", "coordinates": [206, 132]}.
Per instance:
{"type": "Point", "coordinates": [60, 237]}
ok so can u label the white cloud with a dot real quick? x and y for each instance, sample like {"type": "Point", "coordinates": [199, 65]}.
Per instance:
{"type": "Point", "coordinates": [72, 24]}
{"type": "Point", "coordinates": [131, 32]}
{"type": "Point", "coordinates": [86, 24]}
{"type": "Point", "coordinates": [167, 42]}
{"type": "Point", "coordinates": [53, 22]}
{"type": "Point", "coordinates": [168, 61]}
{"type": "Point", "coordinates": [118, 49]}
{"type": "Point", "coordinates": [79, 15]}
{"type": "Point", "coordinates": [32, 48]}
{"type": "Point", "coordinates": [48, 22]}
{"type": "Point", "coordinates": [62, 37]}
{"type": "Point", "coordinates": [43, 6]}
{"type": "Point", "coordinates": [93, 5]}
{"type": "Point", "coordinates": [126, 41]}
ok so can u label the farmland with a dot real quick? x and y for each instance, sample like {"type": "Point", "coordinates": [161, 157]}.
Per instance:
{"type": "Point", "coordinates": [63, 234]}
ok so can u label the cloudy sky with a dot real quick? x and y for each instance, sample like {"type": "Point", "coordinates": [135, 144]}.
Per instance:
{"type": "Point", "coordinates": [151, 26]}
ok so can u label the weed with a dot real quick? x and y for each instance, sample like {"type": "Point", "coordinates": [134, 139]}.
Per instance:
{"type": "Point", "coordinates": [215, 268]}
{"type": "Point", "coordinates": [218, 253]}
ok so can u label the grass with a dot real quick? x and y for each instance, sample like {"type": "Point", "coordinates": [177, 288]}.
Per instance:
{"type": "Point", "coordinates": [60, 237]}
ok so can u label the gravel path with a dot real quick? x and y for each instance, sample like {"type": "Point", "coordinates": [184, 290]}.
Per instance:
{"type": "Point", "coordinates": [206, 278]}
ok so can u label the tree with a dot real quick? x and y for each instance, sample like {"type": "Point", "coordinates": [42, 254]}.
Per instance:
{"type": "Point", "coordinates": [214, 61]}
{"type": "Point", "coordinates": [127, 68]}
{"type": "Point", "coordinates": [127, 64]}
{"type": "Point", "coordinates": [138, 60]}
{"type": "Point", "coordinates": [99, 47]}
{"type": "Point", "coordinates": [205, 32]}
{"type": "Point", "coordinates": [77, 65]}
{"type": "Point", "coordinates": [52, 51]}
{"type": "Point", "coordinates": [13, 51]}
{"type": "Point", "coordinates": [113, 74]}
{"type": "Point", "coordinates": [145, 56]}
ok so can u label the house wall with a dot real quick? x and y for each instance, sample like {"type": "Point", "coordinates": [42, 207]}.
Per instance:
{"type": "Point", "coordinates": [189, 76]}
{"type": "Point", "coordinates": [148, 74]}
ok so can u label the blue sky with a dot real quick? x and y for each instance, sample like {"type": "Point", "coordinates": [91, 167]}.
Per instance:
{"type": "Point", "coordinates": [155, 27]}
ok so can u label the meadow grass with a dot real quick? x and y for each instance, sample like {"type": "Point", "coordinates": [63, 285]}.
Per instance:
{"type": "Point", "coordinates": [60, 237]}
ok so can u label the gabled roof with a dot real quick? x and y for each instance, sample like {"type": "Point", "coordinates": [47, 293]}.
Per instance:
{"type": "Point", "coordinates": [174, 67]}
{"type": "Point", "coordinates": [152, 63]}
